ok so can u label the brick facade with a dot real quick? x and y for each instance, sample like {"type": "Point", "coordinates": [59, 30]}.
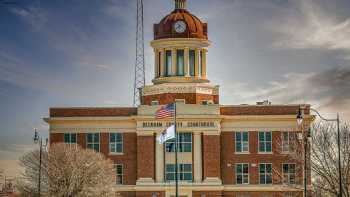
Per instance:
{"type": "Point", "coordinates": [211, 155]}
{"type": "Point", "coordinates": [190, 98]}
{"type": "Point", "coordinates": [146, 157]}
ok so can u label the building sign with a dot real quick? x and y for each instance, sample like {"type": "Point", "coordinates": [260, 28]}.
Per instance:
{"type": "Point", "coordinates": [180, 124]}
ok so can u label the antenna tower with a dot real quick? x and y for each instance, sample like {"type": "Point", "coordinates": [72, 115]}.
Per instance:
{"type": "Point", "coordinates": [140, 54]}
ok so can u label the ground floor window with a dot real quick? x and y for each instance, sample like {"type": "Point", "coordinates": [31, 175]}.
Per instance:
{"type": "Point", "coordinates": [288, 173]}
{"type": "Point", "coordinates": [265, 173]}
{"type": "Point", "coordinates": [184, 172]}
{"type": "Point", "coordinates": [119, 173]}
{"type": "Point", "coordinates": [242, 173]}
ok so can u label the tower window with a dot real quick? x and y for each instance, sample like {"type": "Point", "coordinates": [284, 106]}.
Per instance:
{"type": "Point", "coordinates": [180, 63]}
{"type": "Point", "coordinates": [168, 63]}
{"type": "Point", "coordinates": [200, 63]}
{"type": "Point", "coordinates": [159, 64]}
{"type": "Point", "coordinates": [192, 59]}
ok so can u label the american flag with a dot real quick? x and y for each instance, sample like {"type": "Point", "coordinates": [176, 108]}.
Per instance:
{"type": "Point", "coordinates": [165, 111]}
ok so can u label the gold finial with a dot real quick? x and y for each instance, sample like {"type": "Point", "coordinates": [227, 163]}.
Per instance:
{"type": "Point", "coordinates": [180, 4]}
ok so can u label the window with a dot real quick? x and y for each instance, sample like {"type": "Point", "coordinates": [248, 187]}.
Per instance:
{"type": "Point", "coordinates": [180, 63]}
{"type": "Point", "coordinates": [242, 173]}
{"type": "Point", "coordinates": [288, 141]}
{"type": "Point", "coordinates": [155, 103]}
{"type": "Point", "coordinates": [115, 143]}
{"type": "Point", "coordinates": [184, 143]}
{"type": "Point", "coordinates": [93, 141]}
{"type": "Point", "coordinates": [265, 173]}
{"type": "Point", "coordinates": [242, 142]}
{"type": "Point", "coordinates": [159, 63]}
{"type": "Point", "coordinates": [288, 173]}
{"type": "Point", "coordinates": [184, 172]}
{"type": "Point", "coordinates": [70, 138]}
{"type": "Point", "coordinates": [181, 101]}
{"type": "Point", "coordinates": [119, 173]}
{"type": "Point", "coordinates": [265, 141]}
{"type": "Point", "coordinates": [168, 63]}
{"type": "Point", "coordinates": [200, 63]}
{"type": "Point", "coordinates": [192, 58]}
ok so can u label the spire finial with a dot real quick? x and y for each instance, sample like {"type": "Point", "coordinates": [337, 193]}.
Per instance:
{"type": "Point", "coordinates": [180, 4]}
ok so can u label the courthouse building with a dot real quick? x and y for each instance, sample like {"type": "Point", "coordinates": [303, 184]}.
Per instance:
{"type": "Point", "coordinates": [224, 150]}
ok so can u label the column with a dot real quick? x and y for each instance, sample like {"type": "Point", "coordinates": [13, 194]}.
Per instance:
{"type": "Point", "coordinates": [186, 59]}
{"type": "Point", "coordinates": [204, 64]}
{"type": "Point", "coordinates": [197, 157]}
{"type": "Point", "coordinates": [196, 63]}
{"type": "Point", "coordinates": [162, 64]}
{"type": "Point", "coordinates": [173, 63]}
{"type": "Point", "coordinates": [159, 162]}
{"type": "Point", "coordinates": [156, 63]}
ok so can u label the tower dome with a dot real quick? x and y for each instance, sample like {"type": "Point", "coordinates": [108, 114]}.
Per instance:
{"type": "Point", "coordinates": [180, 24]}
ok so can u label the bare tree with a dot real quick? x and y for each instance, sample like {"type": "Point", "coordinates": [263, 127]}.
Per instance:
{"type": "Point", "coordinates": [68, 171]}
{"type": "Point", "coordinates": [324, 160]}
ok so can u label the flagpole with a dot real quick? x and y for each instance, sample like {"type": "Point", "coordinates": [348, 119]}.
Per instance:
{"type": "Point", "coordinates": [176, 165]}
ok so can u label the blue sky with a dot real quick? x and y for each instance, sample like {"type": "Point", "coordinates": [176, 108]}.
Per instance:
{"type": "Point", "coordinates": [81, 53]}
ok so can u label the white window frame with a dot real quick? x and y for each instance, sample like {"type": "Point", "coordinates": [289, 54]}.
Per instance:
{"type": "Point", "coordinates": [290, 143]}
{"type": "Point", "coordinates": [117, 174]}
{"type": "Point", "coordinates": [266, 174]}
{"type": "Point", "coordinates": [242, 142]}
{"type": "Point", "coordinates": [153, 103]}
{"type": "Point", "coordinates": [242, 174]}
{"type": "Point", "coordinates": [288, 174]}
{"type": "Point", "coordinates": [115, 143]}
{"type": "Point", "coordinates": [180, 101]}
{"type": "Point", "coordinates": [70, 139]}
{"type": "Point", "coordinates": [180, 144]}
{"type": "Point", "coordinates": [180, 172]}
{"type": "Point", "coordinates": [265, 142]}
{"type": "Point", "coordinates": [93, 143]}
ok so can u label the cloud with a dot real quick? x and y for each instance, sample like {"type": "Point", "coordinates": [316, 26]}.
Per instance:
{"type": "Point", "coordinates": [312, 28]}
{"type": "Point", "coordinates": [327, 90]}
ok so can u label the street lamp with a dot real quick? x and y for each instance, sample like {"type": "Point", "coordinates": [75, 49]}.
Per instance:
{"type": "Point", "coordinates": [38, 140]}
{"type": "Point", "coordinates": [299, 121]}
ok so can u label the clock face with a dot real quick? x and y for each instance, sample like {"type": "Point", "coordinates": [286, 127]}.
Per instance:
{"type": "Point", "coordinates": [180, 27]}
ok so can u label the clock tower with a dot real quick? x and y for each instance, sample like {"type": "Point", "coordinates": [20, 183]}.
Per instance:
{"type": "Point", "coordinates": [180, 70]}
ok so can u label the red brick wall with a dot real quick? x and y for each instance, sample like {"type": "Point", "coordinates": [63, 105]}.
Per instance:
{"type": "Point", "coordinates": [56, 138]}
{"type": "Point", "coordinates": [145, 157]}
{"type": "Point", "coordinates": [191, 98]}
{"type": "Point", "coordinates": [211, 156]}
{"type": "Point", "coordinates": [128, 158]}
{"type": "Point", "coordinates": [228, 156]}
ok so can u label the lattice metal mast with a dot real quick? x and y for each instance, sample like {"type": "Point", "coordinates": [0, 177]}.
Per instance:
{"type": "Point", "coordinates": [140, 55]}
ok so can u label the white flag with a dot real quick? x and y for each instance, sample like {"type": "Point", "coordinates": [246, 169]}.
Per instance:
{"type": "Point", "coordinates": [166, 135]}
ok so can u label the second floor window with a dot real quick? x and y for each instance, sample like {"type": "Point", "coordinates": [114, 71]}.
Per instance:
{"type": "Point", "coordinates": [288, 173]}
{"type": "Point", "coordinates": [184, 143]}
{"type": "Point", "coordinates": [242, 142]}
{"type": "Point", "coordinates": [119, 173]}
{"type": "Point", "coordinates": [184, 172]}
{"type": "Point", "coordinates": [265, 173]}
{"type": "Point", "coordinates": [288, 141]}
{"type": "Point", "coordinates": [93, 141]}
{"type": "Point", "coordinates": [115, 143]}
{"type": "Point", "coordinates": [242, 173]}
{"type": "Point", "coordinates": [70, 138]}
{"type": "Point", "coordinates": [265, 141]}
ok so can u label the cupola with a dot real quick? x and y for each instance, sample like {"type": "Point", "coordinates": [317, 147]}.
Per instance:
{"type": "Point", "coordinates": [180, 46]}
